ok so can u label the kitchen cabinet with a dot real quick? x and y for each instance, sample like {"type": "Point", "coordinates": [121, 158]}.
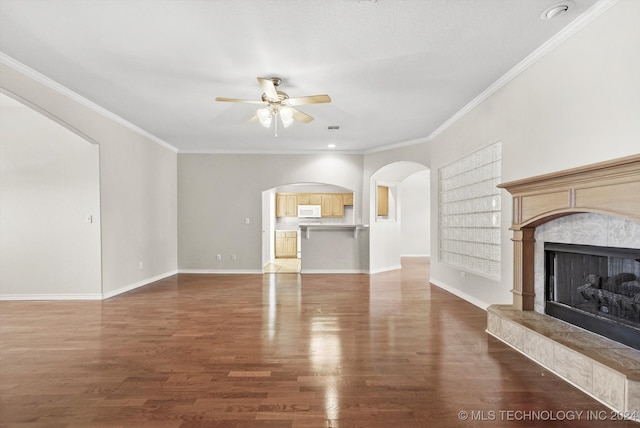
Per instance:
{"type": "Point", "coordinates": [315, 199]}
{"type": "Point", "coordinates": [286, 205]}
{"type": "Point", "coordinates": [286, 244]}
{"type": "Point", "coordinates": [332, 205]}
{"type": "Point", "coordinates": [383, 201]}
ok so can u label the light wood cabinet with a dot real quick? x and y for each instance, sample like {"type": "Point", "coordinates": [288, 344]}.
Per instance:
{"type": "Point", "coordinates": [315, 199]}
{"type": "Point", "coordinates": [338, 205]}
{"type": "Point", "coordinates": [281, 205]}
{"type": "Point", "coordinates": [332, 203]}
{"type": "Point", "coordinates": [286, 205]}
{"type": "Point", "coordinates": [383, 201]}
{"type": "Point", "coordinates": [286, 244]}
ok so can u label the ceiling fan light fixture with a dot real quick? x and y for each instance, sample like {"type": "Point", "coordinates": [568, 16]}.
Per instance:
{"type": "Point", "coordinates": [278, 103]}
{"type": "Point", "coordinates": [264, 116]}
{"type": "Point", "coordinates": [286, 115]}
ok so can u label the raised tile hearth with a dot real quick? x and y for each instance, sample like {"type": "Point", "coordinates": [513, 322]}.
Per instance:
{"type": "Point", "coordinates": [603, 368]}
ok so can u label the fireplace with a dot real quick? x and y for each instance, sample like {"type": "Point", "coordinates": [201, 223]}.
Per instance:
{"type": "Point", "coordinates": [604, 198]}
{"type": "Point", "coordinates": [596, 288]}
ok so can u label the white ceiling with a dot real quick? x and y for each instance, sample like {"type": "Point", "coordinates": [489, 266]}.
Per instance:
{"type": "Point", "coordinates": [396, 70]}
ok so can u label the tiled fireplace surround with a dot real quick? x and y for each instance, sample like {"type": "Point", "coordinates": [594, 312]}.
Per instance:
{"type": "Point", "coordinates": [597, 204]}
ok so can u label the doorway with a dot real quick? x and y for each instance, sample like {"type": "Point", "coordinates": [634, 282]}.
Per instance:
{"type": "Point", "coordinates": [282, 242]}
{"type": "Point", "coordinates": [402, 228]}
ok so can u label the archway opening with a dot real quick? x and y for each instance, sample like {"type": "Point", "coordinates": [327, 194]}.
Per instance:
{"type": "Point", "coordinates": [286, 207]}
{"type": "Point", "coordinates": [403, 228]}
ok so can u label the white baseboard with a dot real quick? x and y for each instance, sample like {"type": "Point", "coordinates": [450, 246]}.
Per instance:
{"type": "Point", "coordinates": [138, 284]}
{"type": "Point", "coordinates": [69, 296]}
{"type": "Point", "coordinates": [333, 271]}
{"type": "Point", "coordinates": [415, 255]}
{"type": "Point", "coordinates": [223, 271]}
{"type": "Point", "coordinates": [474, 301]}
{"type": "Point", "coordinates": [385, 269]}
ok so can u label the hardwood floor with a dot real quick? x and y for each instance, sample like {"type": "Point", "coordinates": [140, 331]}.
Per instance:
{"type": "Point", "coordinates": [242, 351]}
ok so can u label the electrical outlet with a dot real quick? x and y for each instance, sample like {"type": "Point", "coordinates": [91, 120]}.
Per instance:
{"type": "Point", "coordinates": [140, 265]}
{"type": "Point", "coordinates": [463, 274]}
{"type": "Point", "coordinates": [233, 257]}
{"type": "Point", "coordinates": [219, 257]}
{"type": "Point", "coordinates": [247, 220]}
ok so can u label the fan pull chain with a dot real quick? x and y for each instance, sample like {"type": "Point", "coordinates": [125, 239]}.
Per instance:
{"type": "Point", "coordinates": [275, 119]}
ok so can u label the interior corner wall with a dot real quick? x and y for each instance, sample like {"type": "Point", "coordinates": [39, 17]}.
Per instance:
{"type": "Point", "coordinates": [49, 182]}
{"type": "Point", "coordinates": [138, 190]}
{"type": "Point", "coordinates": [579, 104]}
{"type": "Point", "coordinates": [416, 215]}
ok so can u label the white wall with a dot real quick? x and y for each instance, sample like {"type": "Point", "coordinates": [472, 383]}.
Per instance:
{"type": "Point", "coordinates": [415, 218]}
{"type": "Point", "coordinates": [49, 182]}
{"type": "Point", "coordinates": [138, 191]}
{"type": "Point", "coordinates": [577, 105]}
{"type": "Point", "coordinates": [386, 232]}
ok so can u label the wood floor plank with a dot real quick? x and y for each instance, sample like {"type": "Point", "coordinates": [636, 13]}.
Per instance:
{"type": "Point", "coordinates": [291, 351]}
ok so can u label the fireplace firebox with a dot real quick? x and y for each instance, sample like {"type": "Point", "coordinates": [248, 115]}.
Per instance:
{"type": "Point", "coordinates": [596, 288]}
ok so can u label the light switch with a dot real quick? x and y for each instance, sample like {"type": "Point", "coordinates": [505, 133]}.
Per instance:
{"type": "Point", "coordinates": [247, 220]}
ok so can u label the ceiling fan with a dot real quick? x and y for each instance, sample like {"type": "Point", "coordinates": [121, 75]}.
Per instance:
{"type": "Point", "coordinates": [278, 103]}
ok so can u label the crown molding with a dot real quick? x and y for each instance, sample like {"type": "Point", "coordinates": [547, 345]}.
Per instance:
{"type": "Point", "coordinates": [555, 41]}
{"type": "Point", "coordinates": [63, 90]}
{"type": "Point", "coordinates": [397, 145]}
{"type": "Point", "coordinates": [267, 152]}
{"type": "Point", "coordinates": [574, 26]}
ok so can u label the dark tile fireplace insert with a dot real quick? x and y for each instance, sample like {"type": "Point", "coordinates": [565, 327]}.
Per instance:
{"type": "Point", "coordinates": [596, 288]}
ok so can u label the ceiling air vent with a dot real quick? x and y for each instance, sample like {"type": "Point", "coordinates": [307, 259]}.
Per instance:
{"type": "Point", "coordinates": [333, 127]}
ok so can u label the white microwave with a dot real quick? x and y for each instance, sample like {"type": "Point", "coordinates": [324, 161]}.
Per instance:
{"type": "Point", "coordinates": [309, 211]}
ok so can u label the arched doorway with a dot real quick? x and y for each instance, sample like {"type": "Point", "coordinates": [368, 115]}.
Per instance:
{"type": "Point", "coordinates": [386, 227]}
{"type": "Point", "coordinates": [273, 224]}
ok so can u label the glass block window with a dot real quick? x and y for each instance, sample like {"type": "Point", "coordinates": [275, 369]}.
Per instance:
{"type": "Point", "coordinates": [470, 209]}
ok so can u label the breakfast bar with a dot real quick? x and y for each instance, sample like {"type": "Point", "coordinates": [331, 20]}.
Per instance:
{"type": "Point", "coordinates": [334, 248]}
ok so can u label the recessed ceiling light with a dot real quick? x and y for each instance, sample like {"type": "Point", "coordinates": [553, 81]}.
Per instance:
{"type": "Point", "coordinates": [331, 146]}
{"type": "Point", "coordinates": [556, 10]}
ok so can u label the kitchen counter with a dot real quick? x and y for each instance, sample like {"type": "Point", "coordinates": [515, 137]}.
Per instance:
{"type": "Point", "coordinates": [307, 227]}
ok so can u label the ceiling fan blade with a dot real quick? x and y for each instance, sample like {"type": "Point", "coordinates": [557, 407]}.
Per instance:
{"type": "Point", "coordinates": [269, 89]}
{"type": "Point", "coordinates": [311, 99]}
{"type": "Point", "coordinates": [302, 117]}
{"type": "Point", "coordinates": [237, 100]}
{"type": "Point", "coordinates": [254, 119]}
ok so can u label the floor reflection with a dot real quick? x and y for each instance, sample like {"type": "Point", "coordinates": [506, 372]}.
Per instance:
{"type": "Point", "coordinates": [375, 351]}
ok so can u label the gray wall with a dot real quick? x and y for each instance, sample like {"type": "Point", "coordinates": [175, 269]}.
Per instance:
{"type": "Point", "coordinates": [218, 192]}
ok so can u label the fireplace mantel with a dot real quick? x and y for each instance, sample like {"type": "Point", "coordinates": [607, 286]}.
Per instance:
{"type": "Point", "coordinates": [611, 187]}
